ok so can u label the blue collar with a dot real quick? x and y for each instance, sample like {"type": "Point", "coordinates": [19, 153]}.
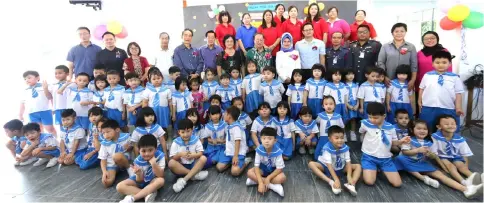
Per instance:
{"type": "Point", "coordinates": [333, 86]}
{"type": "Point", "coordinates": [233, 125]}
{"type": "Point", "coordinates": [445, 73]}
{"type": "Point", "coordinates": [136, 90]}
{"type": "Point", "coordinates": [385, 126]}
{"type": "Point", "coordinates": [221, 88]}
{"type": "Point", "coordinates": [351, 85]}
{"type": "Point", "coordinates": [456, 138]}
{"type": "Point", "coordinates": [273, 83]}
{"type": "Point", "coordinates": [143, 131]}
{"type": "Point", "coordinates": [397, 84]}
{"type": "Point", "coordinates": [321, 82]}
{"type": "Point", "coordinates": [170, 82]}
{"type": "Point", "coordinates": [324, 116]}
{"type": "Point", "coordinates": [260, 121]}
{"type": "Point", "coordinates": [83, 90]}
{"type": "Point", "coordinates": [212, 84]}
{"type": "Point", "coordinates": [117, 88]}
{"type": "Point", "coordinates": [299, 123]}
{"type": "Point", "coordinates": [211, 126]}
{"type": "Point", "coordinates": [286, 121]}
{"type": "Point", "coordinates": [178, 94]}
{"type": "Point", "coordinates": [368, 84]}
{"type": "Point", "coordinates": [243, 115]}
{"type": "Point", "coordinates": [122, 137]}
{"type": "Point", "coordinates": [276, 151]}
{"type": "Point", "coordinates": [192, 141]}
{"type": "Point", "coordinates": [70, 130]}
{"type": "Point", "coordinates": [416, 143]}
{"type": "Point", "coordinates": [153, 88]}
{"type": "Point", "coordinates": [141, 162]}
{"type": "Point", "coordinates": [250, 76]}
{"type": "Point", "coordinates": [35, 86]}
{"type": "Point", "coordinates": [235, 82]}
{"type": "Point", "coordinates": [330, 148]}
{"type": "Point", "coordinates": [98, 93]}
{"type": "Point", "coordinates": [293, 87]}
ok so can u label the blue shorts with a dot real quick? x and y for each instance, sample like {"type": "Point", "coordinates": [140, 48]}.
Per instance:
{"type": "Point", "coordinates": [319, 147]}
{"type": "Point", "coordinates": [43, 117]}
{"type": "Point", "coordinates": [132, 118]}
{"type": "Point", "coordinates": [228, 160]}
{"type": "Point", "coordinates": [140, 185]}
{"type": "Point", "coordinates": [54, 153]}
{"type": "Point", "coordinates": [58, 116]}
{"type": "Point", "coordinates": [372, 163]}
{"type": "Point", "coordinates": [429, 114]}
{"type": "Point", "coordinates": [83, 122]}
{"type": "Point", "coordinates": [340, 173]}
{"type": "Point", "coordinates": [91, 162]}
{"type": "Point", "coordinates": [452, 160]}
{"type": "Point", "coordinates": [116, 115]}
{"type": "Point", "coordinates": [266, 170]}
{"type": "Point", "coordinates": [189, 166]}
{"type": "Point", "coordinates": [316, 106]}
{"type": "Point", "coordinates": [405, 163]}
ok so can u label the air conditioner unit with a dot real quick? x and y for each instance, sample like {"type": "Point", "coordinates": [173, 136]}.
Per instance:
{"type": "Point", "coordinates": [95, 4]}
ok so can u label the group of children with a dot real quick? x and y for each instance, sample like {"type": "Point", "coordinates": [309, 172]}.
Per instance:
{"type": "Point", "coordinates": [217, 125]}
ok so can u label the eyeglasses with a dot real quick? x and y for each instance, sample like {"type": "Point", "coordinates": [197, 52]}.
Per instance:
{"type": "Point", "coordinates": [430, 38]}
{"type": "Point", "coordinates": [363, 32]}
{"type": "Point", "coordinates": [308, 30]}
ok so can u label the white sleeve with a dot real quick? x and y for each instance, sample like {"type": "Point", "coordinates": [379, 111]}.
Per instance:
{"type": "Point", "coordinates": [237, 134]}
{"type": "Point", "coordinates": [135, 136]}
{"type": "Point", "coordinates": [160, 132]}
{"type": "Point", "coordinates": [315, 129]}
{"type": "Point", "coordinates": [243, 84]}
{"type": "Point", "coordinates": [255, 126]}
{"type": "Point", "coordinates": [318, 119]}
{"type": "Point", "coordinates": [205, 133]}
{"type": "Point", "coordinates": [362, 129]}
{"type": "Point", "coordinates": [292, 127]}
{"type": "Point", "coordinates": [306, 87]}
{"type": "Point", "coordinates": [80, 134]}
{"type": "Point", "coordinates": [406, 147]}
{"type": "Point", "coordinates": [257, 160]}
{"type": "Point", "coordinates": [199, 147]}
{"type": "Point", "coordinates": [173, 149]}
{"type": "Point", "coordinates": [458, 86]}
{"type": "Point", "coordinates": [326, 91]}
{"type": "Point", "coordinates": [190, 98]}
{"type": "Point", "coordinates": [434, 148]}
{"type": "Point", "coordinates": [90, 95]}
{"type": "Point", "coordinates": [146, 94]}
{"type": "Point", "coordinates": [281, 89]}
{"type": "Point", "coordinates": [248, 121]}
{"type": "Point", "coordinates": [103, 155]}
{"type": "Point", "coordinates": [288, 93]}
{"type": "Point", "coordinates": [393, 133]}
{"type": "Point", "coordinates": [341, 123]}
{"type": "Point", "coordinates": [51, 142]}
{"type": "Point", "coordinates": [161, 162]}
{"type": "Point", "coordinates": [279, 162]}
{"type": "Point", "coordinates": [261, 89]}
{"type": "Point", "coordinates": [51, 88]}
{"type": "Point", "coordinates": [361, 93]}
{"type": "Point", "coordinates": [390, 89]}
{"type": "Point", "coordinates": [347, 156]}
{"type": "Point", "coordinates": [173, 102]}
{"type": "Point", "coordinates": [326, 158]}
{"type": "Point", "coordinates": [423, 83]}
{"type": "Point", "coordinates": [297, 129]}
{"type": "Point", "coordinates": [125, 98]}
{"type": "Point", "coordinates": [464, 150]}
{"type": "Point", "coordinates": [168, 95]}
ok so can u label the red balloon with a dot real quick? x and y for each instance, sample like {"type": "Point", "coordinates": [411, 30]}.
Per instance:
{"type": "Point", "coordinates": [123, 34]}
{"type": "Point", "coordinates": [447, 24]}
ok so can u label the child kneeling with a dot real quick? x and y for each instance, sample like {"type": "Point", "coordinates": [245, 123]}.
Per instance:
{"type": "Point", "coordinates": [148, 168]}
{"type": "Point", "coordinates": [334, 161]}
{"type": "Point", "coordinates": [268, 164]}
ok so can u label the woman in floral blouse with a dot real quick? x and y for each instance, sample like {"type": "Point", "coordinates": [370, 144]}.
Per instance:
{"type": "Point", "coordinates": [230, 57]}
{"type": "Point", "coordinates": [136, 63]}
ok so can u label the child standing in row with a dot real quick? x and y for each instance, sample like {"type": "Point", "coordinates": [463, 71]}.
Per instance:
{"type": "Point", "coordinates": [271, 89]}
{"type": "Point", "coordinates": [208, 87]}
{"type": "Point", "coordinates": [295, 93]}
{"type": "Point", "coordinates": [100, 83]}
{"type": "Point", "coordinates": [226, 92]}
{"type": "Point", "coordinates": [197, 94]}
{"type": "Point", "coordinates": [99, 70]}
{"type": "Point", "coordinates": [286, 140]}
{"type": "Point", "coordinates": [113, 100]}
{"type": "Point", "coordinates": [133, 97]}
{"type": "Point", "coordinates": [182, 100]}
{"type": "Point", "coordinates": [337, 90]}
{"type": "Point", "coordinates": [370, 91]}
{"type": "Point", "coordinates": [398, 96]}
{"type": "Point", "coordinates": [313, 96]}
{"type": "Point", "coordinates": [174, 74]}
{"type": "Point", "coordinates": [159, 98]}
{"type": "Point", "coordinates": [352, 102]}
{"type": "Point", "coordinates": [79, 98]}
{"type": "Point", "coordinates": [250, 88]}
{"type": "Point", "coordinates": [59, 101]}
{"type": "Point", "coordinates": [235, 81]}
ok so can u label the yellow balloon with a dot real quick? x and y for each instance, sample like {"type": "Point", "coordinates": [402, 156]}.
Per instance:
{"type": "Point", "coordinates": [312, 1]}
{"type": "Point", "coordinates": [321, 6]}
{"type": "Point", "coordinates": [306, 10]}
{"type": "Point", "coordinates": [115, 27]}
{"type": "Point", "coordinates": [458, 13]}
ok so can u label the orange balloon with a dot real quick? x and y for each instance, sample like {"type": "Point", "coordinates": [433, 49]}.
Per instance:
{"type": "Point", "coordinates": [447, 24]}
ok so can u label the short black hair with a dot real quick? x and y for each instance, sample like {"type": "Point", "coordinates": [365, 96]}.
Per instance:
{"type": "Point", "coordinates": [364, 12]}
{"type": "Point", "coordinates": [400, 111]}
{"type": "Point", "coordinates": [174, 69]}
{"type": "Point", "coordinates": [100, 67]}
{"type": "Point", "coordinates": [307, 23]}
{"type": "Point", "coordinates": [272, 69]}
{"type": "Point", "coordinates": [31, 72]}
{"type": "Point", "coordinates": [346, 72]}
{"type": "Point", "coordinates": [381, 71]}
{"type": "Point", "coordinates": [210, 31]}
{"type": "Point", "coordinates": [179, 81]}
{"type": "Point", "coordinates": [222, 14]}
{"type": "Point", "coordinates": [224, 76]}
{"type": "Point", "coordinates": [329, 97]}
{"type": "Point", "coordinates": [30, 127]}
{"type": "Point", "coordinates": [397, 25]}
{"type": "Point", "coordinates": [372, 69]}
{"type": "Point", "coordinates": [95, 111]}
{"type": "Point", "coordinates": [194, 80]}
{"type": "Point", "coordinates": [191, 112]}
{"type": "Point", "coordinates": [164, 33]}
{"type": "Point", "coordinates": [404, 69]}
{"type": "Point", "coordinates": [443, 116]}
{"type": "Point", "coordinates": [100, 78]}
{"type": "Point", "coordinates": [133, 44]}
{"type": "Point", "coordinates": [110, 123]}
{"type": "Point", "coordinates": [335, 129]}
{"type": "Point", "coordinates": [113, 72]}
{"type": "Point", "coordinates": [300, 72]}
{"type": "Point", "coordinates": [212, 110]}
{"type": "Point", "coordinates": [63, 68]}
{"type": "Point", "coordinates": [264, 105]}
{"type": "Point", "coordinates": [226, 37]}
{"type": "Point", "coordinates": [215, 97]}
{"type": "Point", "coordinates": [318, 66]}
{"type": "Point", "coordinates": [285, 105]}
{"type": "Point", "coordinates": [131, 75]}
{"type": "Point", "coordinates": [375, 109]}
{"type": "Point", "coordinates": [234, 112]}
{"type": "Point", "coordinates": [412, 125]}
{"type": "Point", "coordinates": [108, 33]}
{"type": "Point", "coordinates": [364, 26]}
{"type": "Point", "coordinates": [84, 28]}
{"type": "Point", "coordinates": [68, 113]}
{"type": "Point", "coordinates": [268, 131]}
{"type": "Point", "coordinates": [331, 8]}
{"type": "Point", "coordinates": [14, 124]}
{"type": "Point", "coordinates": [304, 111]}
{"type": "Point", "coordinates": [331, 71]}
{"type": "Point", "coordinates": [236, 99]}
{"type": "Point", "coordinates": [83, 74]}
{"type": "Point", "coordinates": [188, 29]}
{"type": "Point", "coordinates": [148, 140]}
{"type": "Point", "coordinates": [154, 71]}
{"type": "Point", "coordinates": [146, 111]}
{"type": "Point", "coordinates": [442, 54]}
{"type": "Point", "coordinates": [185, 124]}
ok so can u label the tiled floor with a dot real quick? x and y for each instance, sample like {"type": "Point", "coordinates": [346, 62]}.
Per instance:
{"type": "Point", "coordinates": [69, 184]}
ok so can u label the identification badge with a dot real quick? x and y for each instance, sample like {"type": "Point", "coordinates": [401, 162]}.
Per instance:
{"type": "Point", "coordinates": [118, 55]}
{"type": "Point", "coordinates": [362, 54]}
{"type": "Point", "coordinates": [335, 60]}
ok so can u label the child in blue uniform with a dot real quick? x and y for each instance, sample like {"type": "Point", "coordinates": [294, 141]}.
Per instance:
{"type": "Point", "coordinates": [94, 139]}
{"type": "Point", "coordinates": [235, 81]}
{"type": "Point", "coordinates": [40, 145]}
{"type": "Point", "coordinates": [401, 127]}
{"type": "Point", "coordinates": [182, 100]}
{"type": "Point", "coordinates": [398, 96]}
{"type": "Point", "coordinates": [286, 140]}
{"type": "Point", "coordinates": [314, 88]}
{"type": "Point", "coordinates": [79, 98]}
{"type": "Point", "coordinates": [159, 97]}
{"type": "Point", "coordinates": [174, 73]}
{"type": "Point", "coordinates": [352, 102]}
{"type": "Point", "coordinates": [100, 83]}
{"type": "Point", "coordinates": [250, 88]}
{"type": "Point", "coordinates": [306, 131]}
{"type": "Point", "coordinates": [148, 169]}
{"type": "Point", "coordinates": [370, 91]}
{"type": "Point", "coordinates": [73, 142]}
{"type": "Point", "coordinates": [133, 97]}
{"type": "Point", "coordinates": [295, 93]}
{"type": "Point", "coordinates": [271, 89]}
{"type": "Point", "coordinates": [268, 164]}
{"type": "Point", "coordinates": [336, 89]}
{"type": "Point", "coordinates": [113, 100]}
{"type": "Point", "coordinates": [263, 120]}
{"type": "Point", "coordinates": [334, 161]}
{"type": "Point", "coordinates": [208, 87]}
{"type": "Point", "coordinates": [214, 132]}
{"type": "Point", "coordinates": [16, 142]}
{"type": "Point", "coordinates": [146, 124]}
{"type": "Point", "coordinates": [99, 70]}
{"type": "Point", "coordinates": [59, 102]}
{"type": "Point", "coordinates": [325, 120]}
{"type": "Point", "coordinates": [226, 92]}
{"type": "Point", "coordinates": [192, 115]}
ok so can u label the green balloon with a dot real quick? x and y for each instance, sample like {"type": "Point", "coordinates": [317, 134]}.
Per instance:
{"type": "Point", "coordinates": [475, 20]}
{"type": "Point", "coordinates": [216, 11]}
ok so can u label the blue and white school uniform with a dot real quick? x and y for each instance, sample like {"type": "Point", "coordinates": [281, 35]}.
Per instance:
{"type": "Point", "coordinates": [37, 105]}
{"type": "Point", "coordinates": [245, 121]}
{"type": "Point", "coordinates": [237, 85]}
{"type": "Point", "coordinates": [338, 92]}
{"type": "Point", "coordinates": [69, 135]}
{"type": "Point", "coordinates": [208, 89]}
{"type": "Point", "coordinates": [376, 146]}
{"type": "Point", "coordinates": [214, 131]}
{"type": "Point", "coordinates": [415, 163]}
{"type": "Point", "coordinates": [170, 85]}
{"type": "Point", "coordinates": [439, 95]}
{"type": "Point", "coordinates": [401, 132]}
{"type": "Point", "coordinates": [18, 140]}
{"type": "Point", "coordinates": [93, 161]}
{"type": "Point", "coordinates": [74, 99]}
{"type": "Point", "coordinates": [325, 121]}
{"type": "Point", "coordinates": [258, 125]}
{"type": "Point", "coordinates": [158, 99]}
{"type": "Point", "coordinates": [371, 93]}
{"type": "Point", "coordinates": [114, 103]}
{"type": "Point", "coordinates": [181, 102]}
{"type": "Point", "coordinates": [296, 92]}
{"type": "Point", "coordinates": [234, 132]}
{"type": "Point", "coordinates": [156, 130]}
{"type": "Point", "coordinates": [338, 158]}
{"type": "Point", "coordinates": [251, 85]}
{"type": "Point", "coordinates": [145, 166]}
{"type": "Point", "coordinates": [131, 98]}
{"type": "Point", "coordinates": [268, 162]}
{"type": "Point", "coordinates": [227, 94]}
{"type": "Point", "coordinates": [453, 150]}
{"type": "Point", "coordinates": [272, 93]}
{"type": "Point", "coordinates": [109, 148]}
{"type": "Point", "coordinates": [399, 99]}
{"type": "Point", "coordinates": [59, 100]}
{"type": "Point", "coordinates": [98, 96]}
{"type": "Point", "coordinates": [352, 89]}
{"type": "Point", "coordinates": [46, 140]}
{"type": "Point", "coordinates": [193, 146]}
{"type": "Point", "coordinates": [307, 129]}
{"type": "Point", "coordinates": [91, 86]}
{"type": "Point", "coordinates": [284, 134]}
{"type": "Point", "coordinates": [198, 132]}
{"type": "Point", "coordinates": [315, 90]}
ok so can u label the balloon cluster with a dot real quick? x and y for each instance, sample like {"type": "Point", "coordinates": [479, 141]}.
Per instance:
{"type": "Point", "coordinates": [460, 16]}
{"type": "Point", "coordinates": [215, 10]}
{"type": "Point", "coordinates": [113, 26]}
{"type": "Point", "coordinates": [320, 5]}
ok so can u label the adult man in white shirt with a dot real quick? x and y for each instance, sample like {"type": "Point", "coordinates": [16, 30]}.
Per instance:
{"type": "Point", "coordinates": [164, 58]}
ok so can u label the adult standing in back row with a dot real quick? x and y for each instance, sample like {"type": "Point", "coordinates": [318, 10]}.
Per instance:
{"type": "Point", "coordinates": [112, 57]}
{"type": "Point", "coordinates": [224, 27]}
{"type": "Point", "coordinates": [319, 24]}
{"type": "Point", "coordinates": [293, 25]}
{"type": "Point", "coordinates": [271, 34]}
{"type": "Point", "coordinates": [364, 53]}
{"type": "Point", "coordinates": [336, 25]}
{"type": "Point", "coordinates": [360, 16]}
{"type": "Point", "coordinates": [81, 57]}
{"type": "Point", "coordinates": [188, 58]}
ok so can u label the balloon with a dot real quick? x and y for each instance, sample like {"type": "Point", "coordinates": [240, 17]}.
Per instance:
{"type": "Point", "coordinates": [474, 20]}
{"type": "Point", "coordinates": [213, 6]}
{"type": "Point", "coordinates": [211, 14]}
{"type": "Point", "coordinates": [123, 33]}
{"type": "Point", "coordinates": [99, 31]}
{"type": "Point", "coordinates": [447, 24]}
{"type": "Point", "coordinates": [221, 8]}
{"type": "Point", "coordinates": [306, 10]}
{"type": "Point", "coordinates": [216, 11]}
{"type": "Point", "coordinates": [458, 13]}
{"type": "Point", "coordinates": [115, 27]}
{"type": "Point", "coordinates": [321, 6]}
{"type": "Point", "coordinates": [445, 5]}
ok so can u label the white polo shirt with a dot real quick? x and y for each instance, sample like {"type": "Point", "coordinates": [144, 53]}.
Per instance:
{"type": "Point", "coordinates": [114, 97]}
{"type": "Point", "coordinates": [208, 89]}
{"type": "Point", "coordinates": [182, 101]}
{"type": "Point", "coordinates": [307, 129]}
{"type": "Point", "coordinates": [235, 132]}
{"type": "Point", "coordinates": [145, 166]}
{"type": "Point", "coordinates": [227, 93]}
{"type": "Point", "coordinates": [310, 52]}
{"type": "Point", "coordinates": [133, 97]}
{"type": "Point", "coordinates": [270, 160]}
{"type": "Point", "coordinates": [285, 127]}
{"type": "Point", "coordinates": [258, 125]}
{"type": "Point", "coordinates": [315, 88]}
{"type": "Point", "coordinates": [352, 89]}
{"type": "Point", "coordinates": [337, 158]}
{"type": "Point", "coordinates": [396, 88]}
{"type": "Point", "coordinates": [34, 99]}
{"type": "Point", "coordinates": [372, 142]}
{"type": "Point", "coordinates": [74, 102]}
{"type": "Point", "coordinates": [237, 85]}
{"type": "Point", "coordinates": [193, 146]}
{"type": "Point", "coordinates": [441, 96]}
{"type": "Point", "coordinates": [163, 61]}
{"type": "Point", "coordinates": [367, 92]}
{"type": "Point", "coordinates": [59, 100]}
{"type": "Point", "coordinates": [109, 148]}
{"type": "Point", "coordinates": [334, 119]}
{"type": "Point", "coordinates": [69, 135]}
{"type": "Point", "coordinates": [272, 92]}
{"type": "Point", "coordinates": [214, 131]}
{"type": "Point", "coordinates": [296, 92]}
{"type": "Point", "coordinates": [332, 89]}
{"type": "Point", "coordinates": [140, 131]}
{"type": "Point", "coordinates": [164, 94]}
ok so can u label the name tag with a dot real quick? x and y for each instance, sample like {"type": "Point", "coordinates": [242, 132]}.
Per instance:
{"type": "Point", "coordinates": [362, 54]}
{"type": "Point", "coordinates": [335, 60]}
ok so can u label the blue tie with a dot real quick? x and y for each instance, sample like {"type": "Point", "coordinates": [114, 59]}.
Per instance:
{"type": "Point", "coordinates": [149, 173]}
{"type": "Point", "coordinates": [89, 143]}
{"type": "Point", "coordinates": [227, 96]}
{"type": "Point", "coordinates": [269, 162]}
{"type": "Point", "coordinates": [375, 93]}
{"type": "Point", "coordinates": [339, 96]}
{"type": "Point", "coordinates": [66, 140]}
{"type": "Point", "coordinates": [132, 98]}
{"type": "Point", "coordinates": [250, 84]}
{"type": "Point", "coordinates": [271, 90]}
{"type": "Point", "coordinates": [60, 85]}
{"type": "Point", "coordinates": [328, 124]}
{"type": "Point", "coordinates": [228, 135]}
{"type": "Point", "coordinates": [400, 94]}
{"type": "Point", "coordinates": [297, 95]}
{"type": "Point", "coordinates": [156, 100]}
{"type": "Point", "coordinates": [384, 138]}
{"type": "Point", "coordinates": [441, 80]}
{"type": "Point", "coordinates": [317, 90]}
{"type": "Point", "coordinates": [185, 102]}
{"type": "Point", "coordinates": [350, 93]}
{"type": "Point", "coordinates": [282, 131]}
{"type": "Point", "coordinates": [35, 94]}
{"type": "Point", "coordinates": [208, 92]}
{"type": "Point", "coordinates": [77, 97]}
{"type": "Point", "coordinates": [214, 136]}
{"type": "Point", "coordinates": [448, 148]}
{"type": "Point", "coordinates": [111, 96]}
{"type": "Point", "coordinates": [339, 162]}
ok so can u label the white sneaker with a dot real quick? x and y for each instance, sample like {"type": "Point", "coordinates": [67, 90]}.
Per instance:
{"type": "Point", "coordinates": [277, 188]}
{"type": "Point", "coordinates": [179, 185]}
{"type": "Point", "coordinates": [432, 182]}
{"type": "Point", "coordinates": [28, 161]}
{"type": "Point", "coordinates": [200, 175]}
{"type": "Point", "coordinates": [130, 172]}
{"type": "Point", "coordinates": [127, 199]}
{"type": "Point", "coordinates": [151, 197]}
{"type": "Point", "coordinates": [351, 188]}
{"type": "Point", "coordinates": [247, 160]}
{"type": "Point", "coordinates": [250, 182]}
{"type": "Point", "coordinates": [335, 190]}
{"type": "Point", "coordinates": [474, 179]}
{"type": "Point", "coordinates": [353, 136]}
{"type": "Point", "coordinates": [52, 162]}
{"type": "Point", "coordinates": [16, 163]}
{"type": "Point", "coordinates": [473, 190]}
{"type": "Point", "coordinates": [302, 150]}
{"type": "Point", "coordinates": [40, 162]}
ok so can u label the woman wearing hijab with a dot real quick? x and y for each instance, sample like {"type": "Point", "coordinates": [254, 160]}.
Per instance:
{"type": "Point", "coordinates": [287, 59]}
{"type": "Point", "coordinates": [431, 44]}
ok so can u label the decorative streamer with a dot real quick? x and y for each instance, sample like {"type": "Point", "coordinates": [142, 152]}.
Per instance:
{"type": "Point", "coordinates": [463, 48]}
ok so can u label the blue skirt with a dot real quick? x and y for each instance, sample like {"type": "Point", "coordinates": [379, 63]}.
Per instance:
{"type": "Point", "coordinates": [295, 108]}
{"type": "Point", "coordinates": [58, 117]}
{"type": "Point", "coordinates": [350, 114]}
{"type": "Point", "coordinates": [396, 106]}
{"type": "Point", "coordinates": [252, 101]}
{"type": "Point", "coordinates": [298, 140]}
{"type": "Point", "coordinates": [91, 162]}
{"type": "Point", "coordinates": [405, 163]}
{"type": "Point", "coordinates": [163, 116]}
{"type": "Point", "coordinates": [319, 147]}
{"type": "Point", "coordinates": [341, 109]}
{"type": "Point", "coordinates": [226, 105]}
{"type": "Point", "coordinates": [206, 105]}
{"type": "Point", "coordinates": [363, 115]}
{"type": "Point", "coordinates": [316, 106]}
{"type": "Point", "coordinates": [115, 114]}
{"type": "Point", "coordinates": [286, 145]}
{"type": "Point", "coordinates": [132, 118]}
{"type": "Point", "coordinates": [179, 116]}
{"type": "Point", "coordinates": [214, 153]}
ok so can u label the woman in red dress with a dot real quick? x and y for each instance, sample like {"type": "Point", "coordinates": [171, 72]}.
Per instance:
{"type": "Point", "coordinates": [293, 25]}
{"type": "Point", "coordinates": [224, 27]}
{"type": "Point", "coordinates": [136, 63]}
{"type": "Point", "coordinates": [319, 23]}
